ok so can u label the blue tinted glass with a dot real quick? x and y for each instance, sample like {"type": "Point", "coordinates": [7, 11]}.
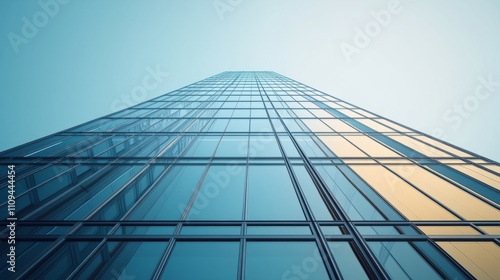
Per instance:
{"type": "Point", "coordinates": [352, 201]}
{"type": "Point", "coordinates": [221, 194]}
{"type": "Point", "coordinates": [346, 260]}
{"type": "Point", "coordinates": [233, 146]}
{"type": "Point", "coordinates": [211, 230]}
{"type": "Point", "coordinates": [203, 260]}
{"type": "Point", "coordinates": [377, 230]}
{"type": "Point", "coordinates": [170, 196]}
{"type": "Point", "coordinates": [25, 253]}
{"type": "Point", "coordinates": [145, 230]}
{"type": "Point", "coordinates": [64, 260]}
{"type": "Point", "coordinates": [238, 125]}
{"type": "Point", "coordinates": [313, 198]}
{"type": "Point", "coordinates": [131, 259]}
{"type": "Point", "coordinates": [401, 261]}
{"type": "Point", "coordinates": [260, 125]}
{"type": "Point", "coordinates": [288, 146]}
{"type": "Point", "coordinates": [279, 230]}
{"type": "Point", "coordinates": [263, 145]}
{"type": "Point", "coordinates": [331, 230]}
{"type": "Point", "coordinates": [204, 146]}
{"type": "Point", "coordinates": [271, 195]}
{"type": "Point", "coordinates": [283, 260]}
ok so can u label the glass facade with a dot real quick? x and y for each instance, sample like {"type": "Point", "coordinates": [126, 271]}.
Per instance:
{"type": "Point", "coordinates": [249, 175]}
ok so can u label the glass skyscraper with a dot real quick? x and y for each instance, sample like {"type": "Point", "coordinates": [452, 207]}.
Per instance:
{"type": "Point", "coordinates": [247, 175]}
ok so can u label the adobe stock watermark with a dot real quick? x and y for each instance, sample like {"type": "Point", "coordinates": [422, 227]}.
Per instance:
{"type": "Point", "coordinates": [308, 266]}
{"type": "Point", "coordinates": [31, 26]}
{"type": "Point", "coordinates": [150, 81]}
{"type": "Point", "coordinates": [462, 111]}
{"type": "Point", "coordinates": [363, 37]}
{"type": "Point", "coordinates": [223, 6]}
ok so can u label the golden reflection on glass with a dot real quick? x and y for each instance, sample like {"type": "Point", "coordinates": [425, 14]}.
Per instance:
{"type": "Point", "coordinates": [359, 161]}
{"type": "Point", "coordinates": [341, 147]}
{"type": "Point", "coordinates": [493, 230]}
{"type": "Point", "coordinates": [320, 113]}
{"type": "Point", "coordinates": [479, 174]}
{"type": "Point", "coordinates": [350, 113]}
{"type": "Point", "coordinates": [371, 147]}
{"type": "Point", "coordinates": [481, 259]}
{"type": "Point", "coordinates": [449, 230]}
{"type": "Point", "coordinates": [364, 113]}
{"type": "Point", "coordinates": [419, 146]}
{"type": "Point", "coordinates": [316, 125]}
{"type": "Point", "coordinates": [340, 126]}
{"type": "Point", "coordinates": [375, 125]}
{"type": "Point", "coordinates": [393, 125]}
{"type": "Point", "coordinates": [405, 198]}
{"type": "Point", "coordinates": [443, 146]}
{"type": "Point", "coordinates": [456, 199]}
{"type": "Point", "coordinates": [333, 105]}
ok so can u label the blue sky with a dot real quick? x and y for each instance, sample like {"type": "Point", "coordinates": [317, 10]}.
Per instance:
{"type": "Point", "coordinates": [432, 65]}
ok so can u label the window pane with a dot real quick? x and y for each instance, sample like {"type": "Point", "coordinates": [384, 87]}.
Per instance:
{"type": "Point", "coordinates": [131, 259]}
{"type": "Point", "coordinates": [401, 261]}
{"type": "Point", "coordinates": [271, 195]}
{"type": "Point", "coordinates": [283, 260]}
{"type": "Point", "coordinates": [221, 194]}
{"type": "Point", "coordinates": [203, 260]}
{"type": "Point", "coordinates": [279, 230]}
{"type": "Point", "coordinates": [313, 198]}
{"type": "Point", "coordinates": [346, 260]}
{"type": "Point", "coordinates": [170, 196]}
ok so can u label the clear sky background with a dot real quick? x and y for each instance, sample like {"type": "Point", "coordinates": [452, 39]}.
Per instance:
{"type": "Point", "coordinates": [431, 65]}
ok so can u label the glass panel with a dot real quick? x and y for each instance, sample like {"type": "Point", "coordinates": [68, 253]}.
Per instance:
{"type": "Point", "coordinates": [64, 260]}
{"type": "Point", "coordinates": [238, 125]}
{"type": "Point", "coordinates": [481, 259]}
{"type": "Point", "coordinates": [313, 197]}
{"type": "Point", "coordinates": [346, 260]}
{"type": "Point", "coordinates": [271, 195]}
{"type": "Point", "coordinates": [203, 146]}
{"type": "Point", "coordinates": [419, 146]}
{"type": "Point", "coordinates": [479, 174]}
{"type": "Point", "coordinates": [316, 125]}
{"type": "Point", "coordinates": [341, 147]}
{"type": "Point", "coordinates": [25, 253]}
{"type": "Point", "coordinates": [402, 261]}
{"type": "Point", "coordinates": [168, 199]}
{"type": "Point", "coordinates": [491, 229]}
{"type": "Point", "coordinates": [371, 147]}
{"type": "Point", "coordinates": [456, 199]}
{"type": "Point", "coordinates": [211, 230]}
{"type": "Point", "coordinates": [331, 230]}
{"type": "Point", "coordinates": [203, 260]}
{"type": "Point", "coordinates": [117, 260]}
{"type": "Point", "coordinates": [145, 230]}
{"type": "Point", "coordinates": [260, 125]}
{"type": "Point", "coordinates": [233, 146]}
{"type": "Point", "coordinates": [410, 202]}
{"type": "Point", "coordinates": [340, 126]}
{"type": "Point", "coordinates": [375, 125]}
{"type": "Point", "coordinates": [279, 230]}
{"type": "Point", "coordinates": [263, 145]}
{"type": "Point", "coordinates": [350, 198]}
{"type": "Point", "coordinates": [221, 194]}
{"type": "Point", "coordinates": [283, 260]}
{"type": "Point", "coordinates": [448, 230]}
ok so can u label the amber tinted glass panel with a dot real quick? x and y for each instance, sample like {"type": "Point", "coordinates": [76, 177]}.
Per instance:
{"type": "Point", "coordinates": [405, 198]}
{"type": "Point", "coordinates": [456, 199]}
{"type": "Point", "coordinates": [481, 259]}
{"type": "Point", "coordinates": [341, 147]}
